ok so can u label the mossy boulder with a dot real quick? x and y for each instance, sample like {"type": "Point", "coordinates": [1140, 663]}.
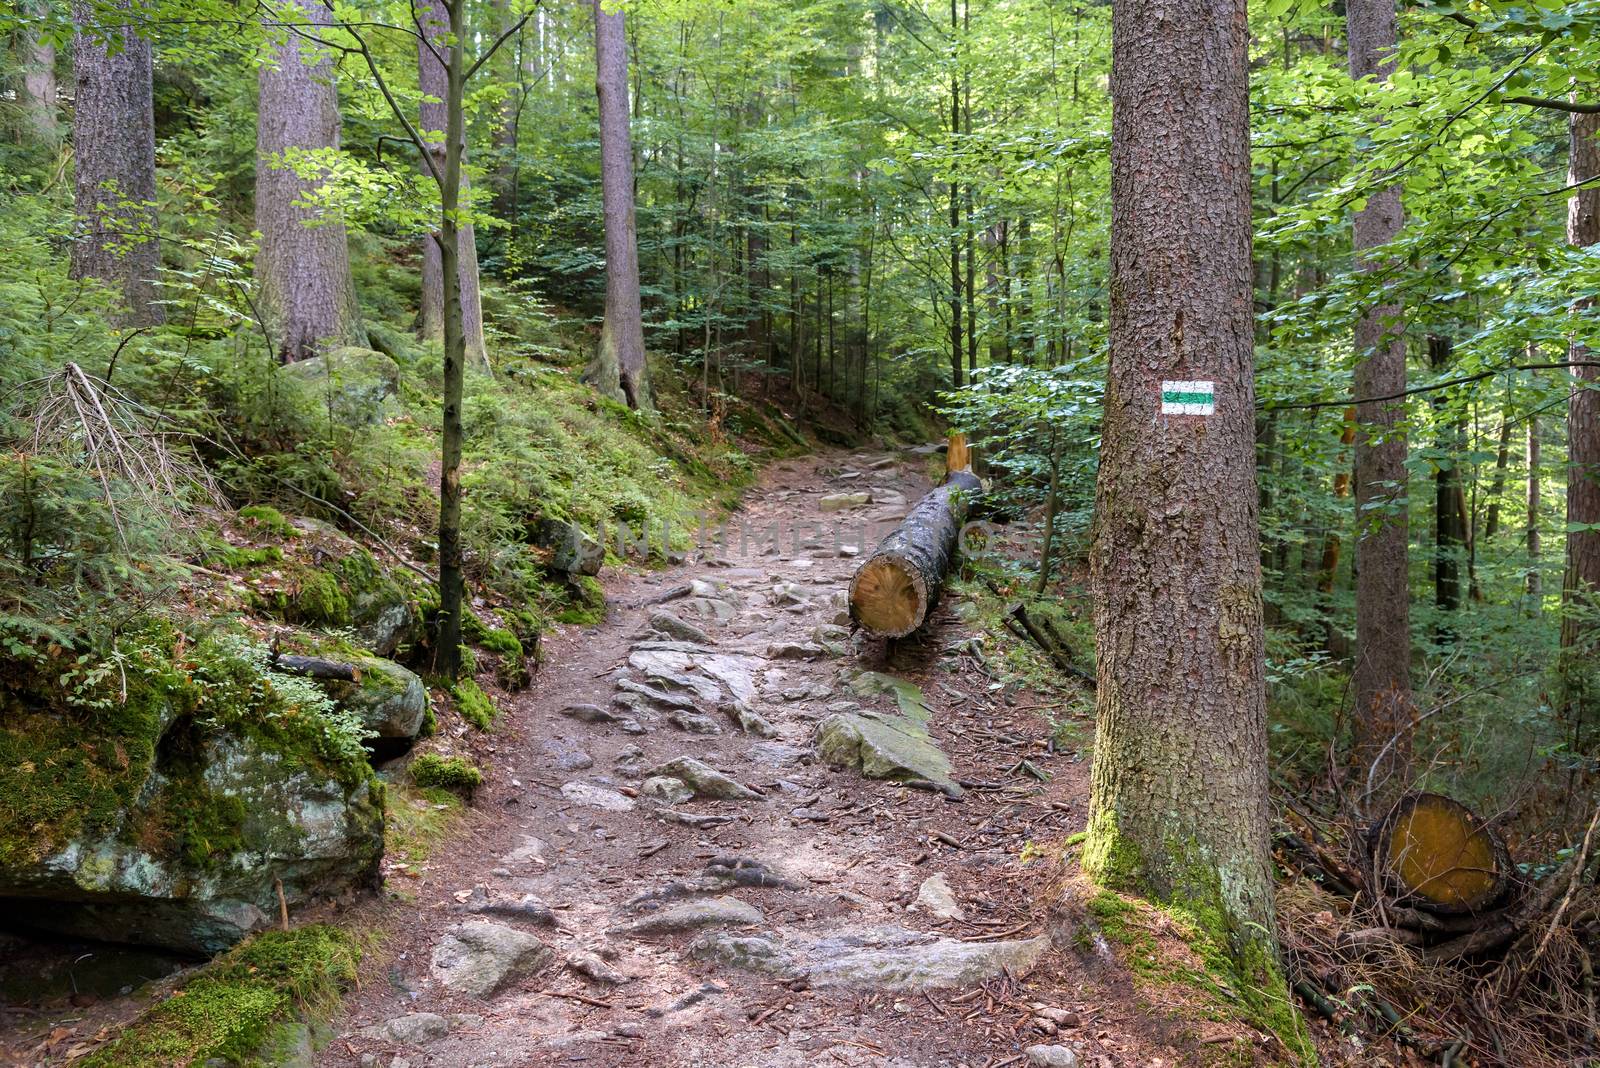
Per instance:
{"type": "Point", "coordinates": [391, 702]}
{"type": "Point", "coordinates": [358, 386]}
{"type": "Point", "coordinates": [350, 589]}
{"type": "Point", "coordinates": [168, 813]}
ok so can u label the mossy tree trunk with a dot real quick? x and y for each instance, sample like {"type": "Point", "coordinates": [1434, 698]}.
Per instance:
{"type": "Point", "coordinates": [619, 365]}
{"type": "Point", "coordinates": [433, 81]}
{"type": "Point", "coordinates": [1178, 809]}
{"type": "Point", "coordinates": [1382, 674]}
{"type": "Point", "coordinates": [114, 140]}
{"type": "Point", "coordinates": [307, 296]}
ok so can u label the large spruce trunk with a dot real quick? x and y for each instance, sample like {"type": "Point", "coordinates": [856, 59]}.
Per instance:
{"type": "Point", "coordinates": [619, 364]}
{"type": "Point", "coordinates": [432, 80]}
{"type": "Point", "coordinates": [114, 141]}
{"type": "Point", "coordinates": [307, 297]}
{"type": "Point", "coordinates": [1178, 807]}
{"type": "Point", "coordinates": [1580, 603]}
{"type": "Point", "coordinates": [1382, 673]}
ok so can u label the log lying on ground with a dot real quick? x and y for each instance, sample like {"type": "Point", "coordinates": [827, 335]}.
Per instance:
{"type": "Point", "coordinates": [896, 587]}
{"type": "Point", "coordinates": [1435, 854]}
{"type": "Point", "coordinates": [314, 667]}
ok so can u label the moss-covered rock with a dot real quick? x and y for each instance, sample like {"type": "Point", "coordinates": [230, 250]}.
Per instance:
{"type": "Point", "coordinates": [357, 386]}
{"type": "Point", "coordinates": [456, 774]}
{"type": "Point", "coordinates": [350, 589]}
{"type": "Point", "coordinates": [391, 702]}
{"type": "Point", "coordinates": [167, 813]}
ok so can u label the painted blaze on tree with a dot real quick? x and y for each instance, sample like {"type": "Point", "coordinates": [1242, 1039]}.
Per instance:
{"type": "Point", "coordinates": [1179, 799]}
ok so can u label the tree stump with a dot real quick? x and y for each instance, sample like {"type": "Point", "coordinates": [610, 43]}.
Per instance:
{"type": "Point", "coordinates": [1437, 855]}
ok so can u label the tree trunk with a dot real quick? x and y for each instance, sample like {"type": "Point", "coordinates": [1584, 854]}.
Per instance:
{"type": "Point", "coordinates": [433, 81]}
{"type": "Point", "coordinates": [41, 110]}
{"type": "Point", "coordinates": [898, 584]}
{"type": "Point", "coordinates": [307, 298]}
{"type": "Point", "coordinates": [1502, 460]}
{"type": "Point", "coordinates": [1178, 808]}
{"type": "Point", "coordinates": [1580, 590]}
{"type": "Point", "coordinates": [447, 628]}
{"type": "Point", "coordinates": [1531, 534]}
{"type": "Point", "coordinates": [1382, 674]}
{"type": "Point", "coordinates": [622, 335]}
{"type": "Point", "coordinates": [115, 143]}
{"type": "Point", "coordinates": [955, 215]}
{"type": "Point", "coordinates": [1449, 538]}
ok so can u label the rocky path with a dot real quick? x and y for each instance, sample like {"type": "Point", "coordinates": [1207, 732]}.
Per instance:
{"type": "Point", "coordinates": [719, 830]}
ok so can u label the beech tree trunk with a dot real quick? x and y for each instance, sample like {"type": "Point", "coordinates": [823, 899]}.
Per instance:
{"type": "Point", "coordinates": [432, 80]}
{"type": "Point", "coordinates": [1382, 673]}
{"type": "Point", "coordinates": [114, 140]}
{"type": "Point", "coordinates": [1178, 808]}
{"type": "Point", "coordinates": [307, 297]}
{"type": "Point", "coordinates": [619, 367]}
{"type": "Point", "coordinates": [1580, 590]}
{"type": "Point", "coordinates": [1534, 585]}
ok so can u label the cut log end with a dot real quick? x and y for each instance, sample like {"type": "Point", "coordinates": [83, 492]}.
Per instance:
{"type": "Point", "coordinates": [888, 596]}
{"type": "Point", "coordinates": [1438, 855]}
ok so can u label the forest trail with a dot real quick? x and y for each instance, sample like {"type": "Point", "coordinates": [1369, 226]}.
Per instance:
{"type": "Point", "coordinates": [782, 929]}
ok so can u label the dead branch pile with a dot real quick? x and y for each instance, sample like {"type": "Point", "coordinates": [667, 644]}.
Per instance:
{"type": "Point", "coordinates": [1417, 928]}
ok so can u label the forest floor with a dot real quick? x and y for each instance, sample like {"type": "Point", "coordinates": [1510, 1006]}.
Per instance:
{"type": "Point", "coordinates": [780, 930]}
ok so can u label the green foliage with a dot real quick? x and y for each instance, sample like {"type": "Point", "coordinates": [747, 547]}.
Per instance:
{"type": "Point", "coordinates": [455, 774]}
{"type": "Point", "coordinates": [230, 1008]}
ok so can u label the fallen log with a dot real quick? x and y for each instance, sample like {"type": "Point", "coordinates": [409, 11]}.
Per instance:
{"type": "Point", "coordinates": [1436, 855]}
{"type": "Point", "coordinates": [313, 667]}
{"type": "Point", "coordinates": [898, 584]}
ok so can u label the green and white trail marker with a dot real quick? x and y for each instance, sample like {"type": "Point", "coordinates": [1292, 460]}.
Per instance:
{"type": "Point", "coordinates": [1188, 398]}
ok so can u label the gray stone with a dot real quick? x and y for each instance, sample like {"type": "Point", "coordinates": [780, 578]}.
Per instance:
{"type": "Point", "coordinates": [661, 697]}
{"type": "Point", "coordinates": [390, 701]}
{"type": "Point", "coordinates": [778, 754]}
{"type": "Point", "coordinates": [751, 953]}
{"type": "Point", "coordinates": [704, 780]}
{"type": "Point", "coordinates": [692, 916]}
{"type": "Point", "coordinates": [673, 627]}
{"type": "Point", "coordinates": [666, 789]}
{"type": "Point", "coordinates": [526, 909]}
{"type": "Point", "coordinates": [595, 796]}
{"type": "Point", "coordinates": [788, 593]}
{"type": "Point", "coordinates": [840, 502]}
{"type": "Point", "coordinates": [358, 386]}
{"type": "Point", "coordinates": [589, 964]}
{"type": "Point", "coordinates": [589, 713]}
{"type": "Point", "coordinates": [478, 958]}
{"type": "Point", "coordinates": [567, 754]}
{"type": "Point", "coordinates": [1052, 1056]}
{"type": "Point", "coordinates": [572, 550]}
{"type": "Point", "coordinates": [412, 1029]}
{"type": "Point", "coordinates": [694, 723]}
{"type": "Point", "coordinates": [884, 747]}
{"type": "Point", "coordinates": [749, 720]}
{"type": "Point", "coordinates": [936, 898]}
{"type": "Point", "coordinates": [942, 963]}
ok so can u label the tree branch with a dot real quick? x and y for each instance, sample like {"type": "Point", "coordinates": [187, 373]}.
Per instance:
{"type": "Point", "coordinates": [1555, 104]}
{"type": "Point", "coordinates": [1431, 387]}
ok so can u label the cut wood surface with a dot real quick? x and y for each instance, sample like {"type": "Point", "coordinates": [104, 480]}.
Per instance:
{"type": "Point", "coordinates": [1438, 855]}
{"type": "Point", "coordinates": [898, 584]}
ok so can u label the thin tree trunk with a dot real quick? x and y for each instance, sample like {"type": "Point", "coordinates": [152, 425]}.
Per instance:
{"type": "Point", "coordinates": [447, 638]}
{"type": "Point", "coordinates": [433, 81]}
{"type": "Point", "coordinates": [1382, 674]}
{"type": "Point", "coordinates": [1045, 550]}
{"type": "Point", "coordinates": [1449, 538]}
{"type": "Point", "coordinates": [1502, 460]}
{"type": "Point", "coordinates": [1580, 588]}
{"type": "Point", "coordinates": [1178, 808]}
{"type": "Point", "coordinates": [955, 212]}
{"type": "Point", "coordinates": [115, 144]}
{"type": "Point", "coordinates": [1533, 583]}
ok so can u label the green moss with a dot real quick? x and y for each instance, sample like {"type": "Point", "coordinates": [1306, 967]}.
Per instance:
{"type": "Point", "coordinates": [320, 600]}
{"type": "Point", "coordinates": [588, 604]}
{"type": "Point", "coordinates": [475, 706]}
{"type": "Point", "coordinates": [244, 558]}
{"type": "Point", "coordinates": [430, 723]}
{"type": "Point", "coordinates": [455, 774]}
{"type": "Point", "coordinates": [268, 520]}
{"type": "Point", "coordinates": [236, 1004]}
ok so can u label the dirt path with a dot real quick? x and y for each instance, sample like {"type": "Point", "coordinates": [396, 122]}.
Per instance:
{"type": "Point", "coordinates": [782, 929]}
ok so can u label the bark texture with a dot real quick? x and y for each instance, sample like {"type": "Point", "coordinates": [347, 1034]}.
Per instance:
{"type": "Point", "coordinates": [40, 106]}
{"type": "Point", "coordinates": [619, 366]}
{"type": "Point", "coordinates": [896, 587]}
{"type": "Point", "coordinates": [1178, 808]}
{"type": "Point", "coordinates": [1382, 673]}
{"type": "Point", "coordinates": [433, 81]}
{"type": "Point", "coordinates": [114, 141]}
{"type": "Point", "coordinates": [307, 297]}
{"type": "Point", "coordinates": [1581, 588]}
